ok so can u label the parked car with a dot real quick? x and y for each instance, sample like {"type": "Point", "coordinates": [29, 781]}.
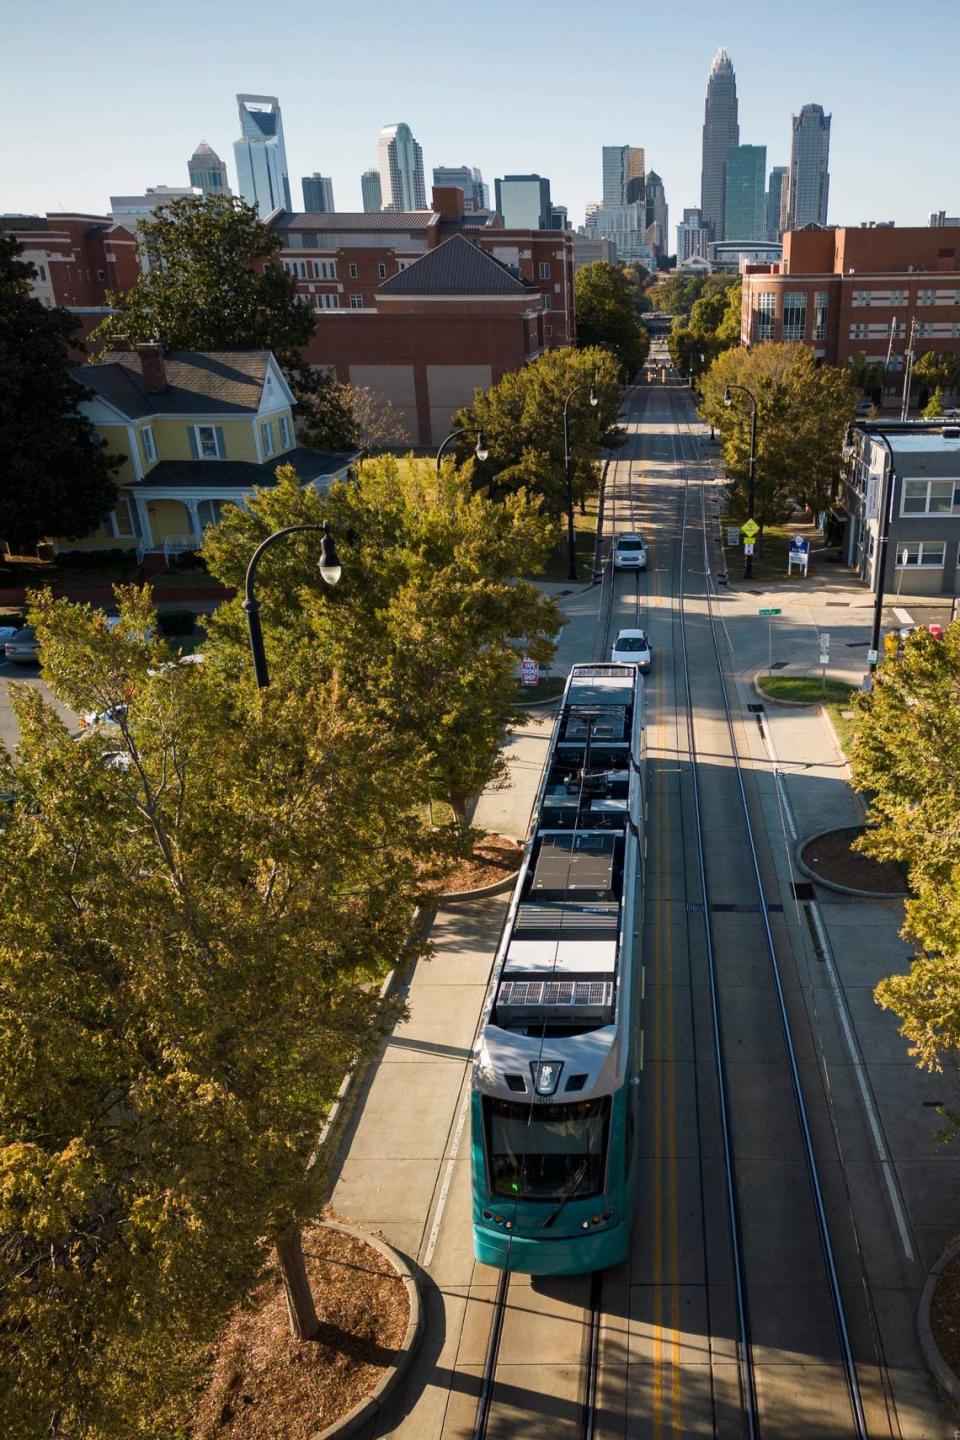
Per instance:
{"type": "Point", "coordinates": [632, 647]}
{"type": "Point", "coordinates": [629, 553]}
{"type": "Point", "coordinates": [23, 647]}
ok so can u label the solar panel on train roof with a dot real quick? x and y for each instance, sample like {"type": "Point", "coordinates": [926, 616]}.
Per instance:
{"type": "Point", "coordinates": [573, 862]}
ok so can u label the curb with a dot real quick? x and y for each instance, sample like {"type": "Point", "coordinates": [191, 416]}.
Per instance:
{"type": "Point", "coordinates": [366, 1409]}
{"type": "Point", "coordinates": [788, 704]}
{"type": "Point", "coordinates": [499, 887]}
{"type": "Point", "coordinates": [804, 868]}
{"type": "Point", "coordinates": [939, 1368]}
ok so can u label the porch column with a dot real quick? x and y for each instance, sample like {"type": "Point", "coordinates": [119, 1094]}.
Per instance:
{"type": "Point", "coordinates": [193, 511]}
{"type": "Point", "coordinates": [146, 534]}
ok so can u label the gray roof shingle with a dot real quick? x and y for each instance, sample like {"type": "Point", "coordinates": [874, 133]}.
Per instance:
{"type": "Point", "coordinates": [457, 267]}
{"type": "Point", "coordinates": [200, 382]}
{"type": "Point", "coordinates": [310, 465]}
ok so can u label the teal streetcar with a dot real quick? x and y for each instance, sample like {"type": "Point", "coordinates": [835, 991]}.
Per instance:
{"type": "Point", "coordinates": [556, 1066]}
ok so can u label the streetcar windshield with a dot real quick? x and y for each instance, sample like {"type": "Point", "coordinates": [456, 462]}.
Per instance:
{"type": "Point", "coordinates": [555, 1151]}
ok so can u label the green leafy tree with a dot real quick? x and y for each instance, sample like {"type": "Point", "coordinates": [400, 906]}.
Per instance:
{"type": "Point", "coordinates": [56, 476]}
{"type": "Point", "coordinates": [522, 421]}
{"type": "Point", "coordinates": [868, 376]}
{"type": "Point", "coordinates": [676, 294]}
{"type": "Point", "coordinates": [713, 326]}
{"type": "Point", "coordinates": [933, 372]}
{"type": "Point", "coordinates": [606, 315]}
{"type": "Point", "coordinates": [637, 277]}
{"type": "Point", "coordinates": [906, 756]}
{"type": "Point", "coordinates": [935, 405]}
{"type": "Point", "coordinates": [200, 898]}
{"type": "Point", "coordinates": [424, 632]}
{"type": "Point", "coordinates": [802, 412]}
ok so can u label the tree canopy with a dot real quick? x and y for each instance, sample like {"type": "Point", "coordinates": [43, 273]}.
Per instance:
{"type": "Point", "coordinates": [522, 422]}
{"type": "Point", "coordinates": [676, 294]}
{"type": "Point", "coordinates": [906, 756]}
{"type": "Point", "coordinates": [57, 478]}
{"type": "Point", "coordinates": [200, 897]}
{"type": "Point", "coordinates": [713, 326]}
{"type": "Point", "coordinates": [606, 315]}
{"type": "Point", "coordinates": [802, 412]}
{"type": "Point", "coordinates": [424, 632]}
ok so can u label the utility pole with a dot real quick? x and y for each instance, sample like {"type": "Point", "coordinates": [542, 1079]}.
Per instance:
{"type": "Point", "coordinates": [907, 372]}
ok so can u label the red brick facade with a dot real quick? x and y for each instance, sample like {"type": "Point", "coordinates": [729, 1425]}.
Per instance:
{"type": "Point", "coordinates": [842, 290]}
{"type": "Point", "coordinates": [78, 258]}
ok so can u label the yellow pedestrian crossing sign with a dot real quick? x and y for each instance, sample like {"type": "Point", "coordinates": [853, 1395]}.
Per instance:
{"type": "Point", "coordinates": [749, 528]}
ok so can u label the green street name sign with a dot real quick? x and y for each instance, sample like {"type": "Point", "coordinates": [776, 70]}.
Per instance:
{"type": "Point", "coordinates": [771, 612]}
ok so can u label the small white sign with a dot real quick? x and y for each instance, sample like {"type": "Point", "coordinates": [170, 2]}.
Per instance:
{"type": "Point", "coordinates": [824, 639]}
{"type": "Point", "coordinates": [871, 657]}
{"type": "Point", "coordinates": [748, 547]}
{"type": "Point", "coordinates": [824, 657]}
{"type": "Point", "coordinates": [530, 672]}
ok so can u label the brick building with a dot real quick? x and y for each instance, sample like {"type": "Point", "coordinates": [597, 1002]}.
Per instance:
{"type": "Point", "coordinates": [449, 322]}
{"type": "Point", "coordinates": [841, 291]}
{"type": "Point", "coordinates": [78, 258]}
{"type": "Point", "coordinates": [425, 335]}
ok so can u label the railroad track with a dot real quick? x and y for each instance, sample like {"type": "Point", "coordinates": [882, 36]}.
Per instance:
{"type": "Point", "coordinates": [762, 936]}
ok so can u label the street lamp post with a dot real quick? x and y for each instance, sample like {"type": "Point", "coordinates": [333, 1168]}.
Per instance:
{"type": "Point", "coordinates": [330, 571]}
{"type": "Point", "coordinates": [728, 401]}
{"type": "Point", "coordinates": [481, 451]}
{"type": "Point", "coordinates": [568, 472]}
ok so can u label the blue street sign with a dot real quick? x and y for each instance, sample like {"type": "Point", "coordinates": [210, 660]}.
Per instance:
{"type": "Point", "coordinates": [799, 546]}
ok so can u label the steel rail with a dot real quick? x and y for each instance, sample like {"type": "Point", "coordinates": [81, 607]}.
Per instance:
{"type": "Point", "coordinates": [748, 1382]}
{"type": "Point", "coordinates": [843, 1331]}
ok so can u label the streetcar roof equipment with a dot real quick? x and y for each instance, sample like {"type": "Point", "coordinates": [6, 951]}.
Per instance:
{"type": "Point", "coordinates": [560, 956]}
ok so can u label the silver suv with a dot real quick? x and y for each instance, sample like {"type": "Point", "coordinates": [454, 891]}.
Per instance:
{"type": "Point", "coordinates": [629, 553]}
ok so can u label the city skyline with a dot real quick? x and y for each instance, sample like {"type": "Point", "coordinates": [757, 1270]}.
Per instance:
{"type": "Point", "coordinates": [509, 133]}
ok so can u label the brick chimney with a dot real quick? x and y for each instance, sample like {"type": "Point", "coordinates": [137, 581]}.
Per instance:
{"type": "Point", "coordinates": [152, 368]}
{"type": "Point", "coordinates": [448, 201]}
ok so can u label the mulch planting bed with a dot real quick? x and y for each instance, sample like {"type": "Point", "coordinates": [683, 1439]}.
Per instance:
{"type": "Point", "coordinates": [268, 1386]}
{"type": "Point", "coordinates": [945, 1314]}
{"type": "Point", "coordinates": [494, 858]}
{"type": "Point", "coordinates": [830, 855]}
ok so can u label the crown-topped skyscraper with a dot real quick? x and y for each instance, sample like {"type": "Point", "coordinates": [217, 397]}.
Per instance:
{"type": "Point", "coordinates": [721, 131]}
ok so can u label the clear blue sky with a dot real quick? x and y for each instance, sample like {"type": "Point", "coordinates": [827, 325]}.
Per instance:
{"type": "Point", "coordinates": [109, 97]}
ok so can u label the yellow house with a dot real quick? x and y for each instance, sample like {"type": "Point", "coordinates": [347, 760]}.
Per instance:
{"type": "Point", "coordinates": [196, 429]}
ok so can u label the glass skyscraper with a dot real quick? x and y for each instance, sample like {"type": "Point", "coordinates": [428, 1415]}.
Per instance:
{"type": "Point", "coordinates": [809, 179]}
{"type": "Point", "coordinates": [260, 155]}
{"type": "Point", "coordinates": [721, 132]}
{"type": "Point", "coordinates": [207, 171]}
{"type": "Point", "coordinates": [401, 169]}
{"type": "Point", "coordinates": [744, 193]}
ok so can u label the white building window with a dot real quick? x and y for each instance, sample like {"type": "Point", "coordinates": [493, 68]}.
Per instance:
{"type": "Point", "coordinates": [353, 272]}
{"type": "Point", "coordinates": [328, 302]}
{"type": "Point", "coordinates": [266, 437]}
{"type": "Point", "coordinates": [325, 269]}
{"type": "Point", "coordinates": [382, 271]}
{"type": "Point", "coordinates": [42, 272]}
{"type": "Point", "coordinates": [921, 553]}
{"type": "Point", "coordinates": [122, 518]}
{"type": "Point", "coordinates": [794, 314]}
{"type": "Point", "coordinates": [286, 436]}
{"type": "Point", "coordinates": [927, 497]}
{"type": "Point", "coordinates": [820, 302]}
{"type": "Point", "coordinates": [544, 269]}
{"type": "Point", "coordinates": [207, 442]}
{"type": "Point", "coordinates": [149, 444]}
{"type": "Point", "coordinates": [356, 302]}
{"type": "Point", "coordinates": [766, 314]}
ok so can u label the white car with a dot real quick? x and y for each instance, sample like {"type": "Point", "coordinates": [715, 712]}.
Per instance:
{"type": "Point", "coordinates": [629, 553]}
{"type": "Point", "coordinates": [632, 647]}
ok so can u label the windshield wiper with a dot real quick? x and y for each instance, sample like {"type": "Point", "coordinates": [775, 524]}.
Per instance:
{"type": "Point", "coordinates": [567, 1193]}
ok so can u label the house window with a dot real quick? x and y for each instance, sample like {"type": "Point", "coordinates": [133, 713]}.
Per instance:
{"type": "Point", "coordinates": [207, 442]}
{"type": "Point", "coordinates": [794, 314]}
{"type": "Point", "coordinates": [927, 497]}
{"type": "Point", "coordinates": [286, 438]}
{"type": "Point", "coordinates": [266, 437]}
{"type": "Point", "coordinates": [353, 272]}
{"type": "Point", "coordinates": [820, 315]}
{"type": "Point", "coordinates": [382, 271]}
{"type": "Point", "coordinates": [122, 518]}
{"type": "Point", "coordinates": [356, 302]}
{"type": "Point", "coordinates": [766, 314]}
{"type": "Point", "coordinates": [544, 269]}
{"type": "Point", "coordinates": [149, 444]}
{"type": "Point", "coordinates": [921, 553]}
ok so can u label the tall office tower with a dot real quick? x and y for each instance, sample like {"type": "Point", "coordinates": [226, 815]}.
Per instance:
{"type": "Point", "coordinates": [476, 195]}
{"type": "Point", "coordinates": [744, 197]}
{"type": "Point", "coordinates": [317, 193]}
{"type": "Point", "coordinates": [778, 179]}
{"type": "Point", "coordinates": [692, 238]}
{"type": "Point", "coordinates": [371, 190]}
{"type": "Point", "coordinates": [808, 179]}
{"type": "Point", "coordinates": [721, 132]}
{"type": "Point", "coordinates": [523, 202]}
{"type": "Point", "coordinates": [656, 215]}
{"type": "Point", "coordinates": [260, 156]}
{"type": "Point", "coordinates": [559, 219]}
{"type": "Point", "coordinates": [623, 167]}
{"type": "Point", "coordinates": [401, 169]}
{"type": "Point", "coordinates": [207, 171]}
